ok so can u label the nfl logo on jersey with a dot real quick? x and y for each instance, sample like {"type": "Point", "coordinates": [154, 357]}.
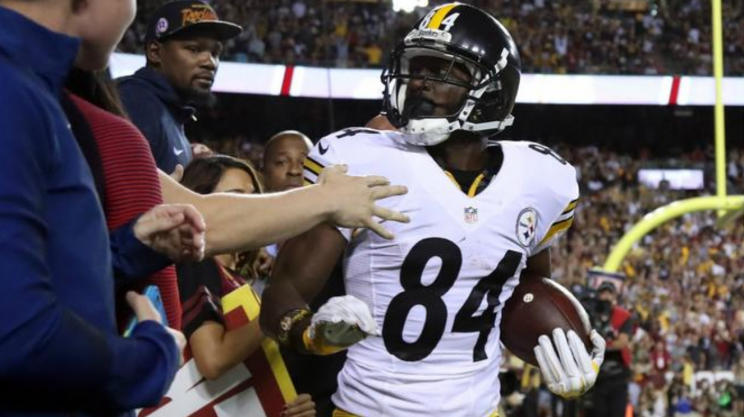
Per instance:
{"type": "Point", "coordinates": [471, 214]}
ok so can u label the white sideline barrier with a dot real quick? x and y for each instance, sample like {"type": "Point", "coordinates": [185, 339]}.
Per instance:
{"type": "Point", "coordinates": [364, 84]}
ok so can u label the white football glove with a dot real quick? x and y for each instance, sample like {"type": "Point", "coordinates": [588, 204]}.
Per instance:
{"type": "Point", "coordinates": [338, 324]}
{"type": "Point", "coordinates": [570, 372]}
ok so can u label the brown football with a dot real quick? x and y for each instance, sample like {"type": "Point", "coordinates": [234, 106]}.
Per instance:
{"type": "Point", "coordinates": [538, 306]}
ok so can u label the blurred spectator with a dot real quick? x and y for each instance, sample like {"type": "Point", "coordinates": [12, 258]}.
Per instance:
{"type": "Point", "coordinates": [61, 352]}
{"type": "Point", "coordinates": [283, 158]}
{"type": "Point", "coordinates": [127, 183]}
{"type": "Point", "coordinates": [738, 369]}
{"type": "Point", "coordinates": [610, 394]}
{"type": "Point", "coordinates": [215, 349]}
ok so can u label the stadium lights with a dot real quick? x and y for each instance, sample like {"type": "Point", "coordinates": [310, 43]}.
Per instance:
{"type": "Point", "coordinates": [408, 5]}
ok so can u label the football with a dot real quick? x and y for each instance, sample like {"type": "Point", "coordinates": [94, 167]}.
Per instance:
{"type": "Point", "coordinates": [538, 306]}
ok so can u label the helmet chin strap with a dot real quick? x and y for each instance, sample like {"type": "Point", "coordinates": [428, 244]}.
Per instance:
{"type": "Point", "coordinates": [428, 132]}
{"type": "Point", "coordinates": [433, 131]}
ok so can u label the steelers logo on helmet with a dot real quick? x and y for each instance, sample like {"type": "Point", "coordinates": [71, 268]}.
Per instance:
{"type": "Point", "coordinates": [457, 69]}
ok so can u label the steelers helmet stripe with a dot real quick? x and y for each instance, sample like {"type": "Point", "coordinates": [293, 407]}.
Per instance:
{"type": "Point", "coordinates": [439, 16]}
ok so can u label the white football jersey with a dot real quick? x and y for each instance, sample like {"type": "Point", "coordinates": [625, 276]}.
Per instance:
{"type": "Point", "coordinates": [436, 291]}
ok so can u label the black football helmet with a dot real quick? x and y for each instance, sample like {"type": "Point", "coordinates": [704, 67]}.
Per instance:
{"type": "Point", "coordinates": [468, 37]}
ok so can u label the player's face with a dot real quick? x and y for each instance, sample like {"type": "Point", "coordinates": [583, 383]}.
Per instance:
{"type": "Point", "coordinates": [283, 163]}
{"type": "Point", "coordinates": [100, 24]}
{"type": "Point", "coordinates": [235, 180]}
{"type": "Point", "coordinates": [433, 98]}
{"type": "Point", "coordinates": [190, 64]}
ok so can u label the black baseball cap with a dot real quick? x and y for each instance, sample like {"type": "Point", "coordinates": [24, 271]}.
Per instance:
{"type": "Point", "coordinates": [181, 16]}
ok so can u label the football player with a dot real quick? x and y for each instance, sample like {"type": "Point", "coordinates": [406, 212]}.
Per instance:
{"type": "Point", "coordinates": [421, 318]}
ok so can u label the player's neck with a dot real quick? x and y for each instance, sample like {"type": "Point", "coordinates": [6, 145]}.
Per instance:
{"type": "Point", "coordinates": [462, 152]}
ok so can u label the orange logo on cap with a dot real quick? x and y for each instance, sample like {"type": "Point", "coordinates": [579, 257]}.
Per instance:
{"type": "Point", "coordinates": [197, 14]}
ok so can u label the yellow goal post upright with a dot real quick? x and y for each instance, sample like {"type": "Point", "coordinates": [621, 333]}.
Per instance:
{"type": "Point", "coordinates": [729, 208]}
{"type": "Point", "coordinates": [662, 215]}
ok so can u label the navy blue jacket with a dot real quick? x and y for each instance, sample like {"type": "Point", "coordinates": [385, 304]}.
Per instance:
{"type": "Point", "coordinates": [160, 114]}
{"type": "Point", "coordinates": [59, 348]}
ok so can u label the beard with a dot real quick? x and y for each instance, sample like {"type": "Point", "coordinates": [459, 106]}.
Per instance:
{"type": "Point", "coordinates": [197, 98]}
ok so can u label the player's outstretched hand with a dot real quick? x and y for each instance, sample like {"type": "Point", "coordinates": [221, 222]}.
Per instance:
{"type": "Point", "coordinates": [355, 199]}
{"type": "Point", "coordinates": [175, 230]}
{"type": "Point", "coordinates": [338, 324]}
{"type": "Point", "coordinates": [302, 406]}
{"type": "Point", "coordinates": [566, 366]}
{"type": "Point", "coordinates": [144, 310]}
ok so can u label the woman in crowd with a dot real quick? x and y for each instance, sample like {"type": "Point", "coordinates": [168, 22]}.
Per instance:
{"type": "Point", "coordinates": [202, 285]}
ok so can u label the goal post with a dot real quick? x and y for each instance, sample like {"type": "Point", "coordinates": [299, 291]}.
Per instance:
{"type": "Point", "coordinates": [728, 208]}
{"type": "Point", "coordinates": [665, 213]}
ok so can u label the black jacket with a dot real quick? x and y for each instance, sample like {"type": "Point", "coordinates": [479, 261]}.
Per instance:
{"type": "Point", "coordinates": [160, 114]}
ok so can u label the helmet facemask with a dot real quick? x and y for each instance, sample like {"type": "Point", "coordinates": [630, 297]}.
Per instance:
{"type": "Point", "coordinates": [414, 115]}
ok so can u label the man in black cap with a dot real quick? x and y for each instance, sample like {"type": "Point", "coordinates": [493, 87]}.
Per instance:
{"type": "Point", "coordinates": [184, 41]}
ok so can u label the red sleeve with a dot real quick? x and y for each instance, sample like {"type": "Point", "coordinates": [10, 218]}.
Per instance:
{"type": "Point", "coordinates": [132, 188]}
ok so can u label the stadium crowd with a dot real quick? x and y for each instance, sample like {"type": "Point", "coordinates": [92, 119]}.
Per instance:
{"type": "Point", "coordinates": [663, 37]}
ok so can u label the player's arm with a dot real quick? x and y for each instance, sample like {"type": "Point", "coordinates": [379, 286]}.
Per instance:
{"type": "Point", "coordinates": [243, 222]}
{"type": "Point", "coordinates": [539, 265]}
{"type": "Point", "coordinates": [300, 272]}
{"type": "Point", "coordinates": [569, 370]}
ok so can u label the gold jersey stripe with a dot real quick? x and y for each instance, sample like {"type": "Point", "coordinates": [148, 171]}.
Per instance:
{"type": "Point", "coordinates": [452, 178]}
{"type": "Point", "coordinates": [306, 182]}
{"type": "Point", "coordinates": [570, 206]}
{"type": "Point", "coordinates": [474, 186]}
{"type": "Point", "coordinates": [557, 227]}
{"type": "Point", "coordinates": [436, 20]}
{"type": "Point", "coordinates": [562, 222]}
{"type": "Point", "coordinates": [313, 166]}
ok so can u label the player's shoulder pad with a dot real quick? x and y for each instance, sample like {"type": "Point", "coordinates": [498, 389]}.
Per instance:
{"type": "Point", "coordinates": [349, 146]}
{"type": "Point", "coordinates": [352, 145]}
{"type": "Point", "coordinates": [545, 167]}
